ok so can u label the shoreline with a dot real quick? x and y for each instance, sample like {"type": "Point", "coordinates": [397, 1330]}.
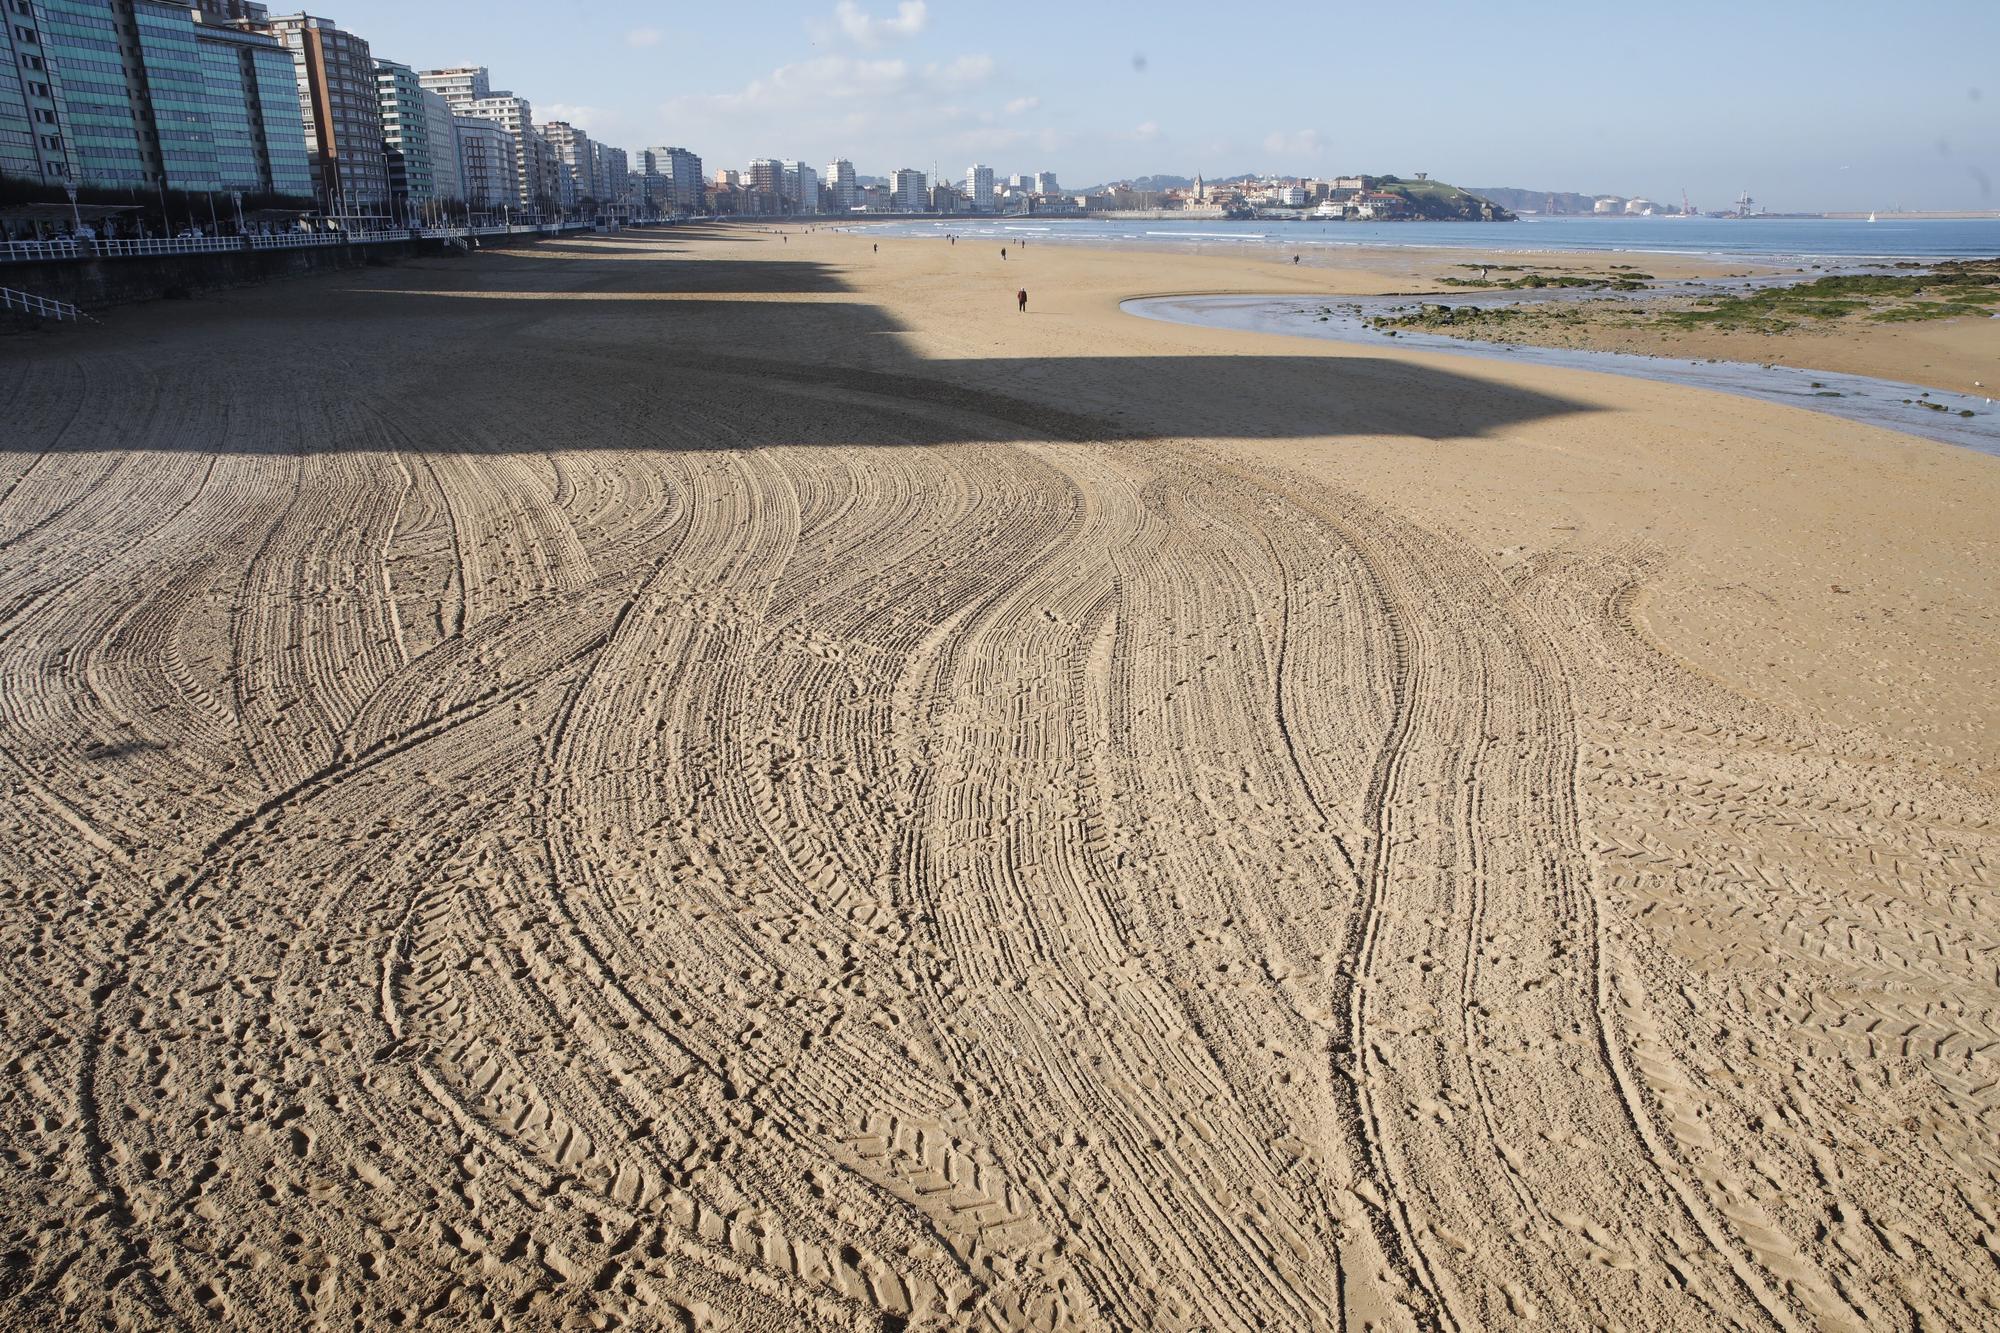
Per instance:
{"type": "Point", "coordinates": [1869, 399]}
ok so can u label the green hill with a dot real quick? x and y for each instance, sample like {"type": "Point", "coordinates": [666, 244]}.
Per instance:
{"type": "Point", "coordinates": [1440, 202]}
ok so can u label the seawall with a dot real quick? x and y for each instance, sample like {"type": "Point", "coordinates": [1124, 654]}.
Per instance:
{"type": "Point", "coordinates": [93, 284]}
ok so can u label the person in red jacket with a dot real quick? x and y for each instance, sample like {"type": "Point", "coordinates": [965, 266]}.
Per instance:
{"type": "Point", "coordinates": [1022, 297]}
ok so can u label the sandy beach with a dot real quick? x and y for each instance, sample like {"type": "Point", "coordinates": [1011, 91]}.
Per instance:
{"type": "Point", "coordinates": [704, 779]}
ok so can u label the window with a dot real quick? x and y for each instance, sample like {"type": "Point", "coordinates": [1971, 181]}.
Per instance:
{"type": "Point", "coordinates": [32, 62]}
{"type": "Point", "coordinates": [25, 34]}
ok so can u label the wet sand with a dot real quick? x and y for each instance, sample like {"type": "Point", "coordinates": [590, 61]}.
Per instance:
{"type": "Point", "coordinates": [700, 781]}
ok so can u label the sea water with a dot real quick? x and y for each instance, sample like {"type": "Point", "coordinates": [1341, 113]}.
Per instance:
{"type": "Point", "coordinates": [1770, 240]}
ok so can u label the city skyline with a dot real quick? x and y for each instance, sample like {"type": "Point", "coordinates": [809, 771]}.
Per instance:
{"type": "Point", "coordinates": [1676, 101]}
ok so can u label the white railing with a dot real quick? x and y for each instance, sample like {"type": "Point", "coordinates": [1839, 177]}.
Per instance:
{"type": "Point", "coordinates": [178, 245]}
{"type": "Point", "coordinates": [196, 245]}
{"type": "Point", "coordinates": [289, 240]}
{"type": "Point", "coordinates": [39, 250]}
{"type": "Point", "coordinates": [29, 303]}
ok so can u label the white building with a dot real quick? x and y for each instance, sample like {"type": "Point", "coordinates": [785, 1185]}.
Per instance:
{"type": "Point", "coordinates": [911, 193]}
{"type": "Point", "coordinates": [462, 84]}
{"type": "Point", "coordinates": [486, 164]}
{"type": "Point", "coordinates": [801, 187]}
{"type": "Point", "coordinates": [979, 187]}
{"type": "Point", "coordinates": [447, 171]}
{"type": "Point", "coordinates": [576, 164]}
{"type": "Point", "coordinates": [517, 117]}
{"type": "Point", "coordinates": [1045, 183]}
{"type": "Point", "coordinates": [840, 192]}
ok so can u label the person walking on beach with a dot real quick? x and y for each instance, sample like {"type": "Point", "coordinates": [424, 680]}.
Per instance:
{"type": "Point", "coordinates": [1022, 297]}
{"type": "Point", "coordinates": [1003, 254]}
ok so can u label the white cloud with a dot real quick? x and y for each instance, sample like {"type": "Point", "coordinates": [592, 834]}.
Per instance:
{"type": "Point", "coordinates": [594, 120]}
{"type": "Point", "coordinates": [1021, 105]}
{"type": "Point", "coordinates": [911, 17]}
{"type": "Point", "coordinates": [962, 72]}
{"type": "Point", "coordinates": [643, 37]}
{"type": "Point", "coordinates": [1300, 143]}
{"type": "Point", "coordinates": [1147, 132]}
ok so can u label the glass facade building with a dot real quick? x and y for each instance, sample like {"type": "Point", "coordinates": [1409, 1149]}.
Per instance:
{"type": "Point", "coordinates": [143, 95]}
{"type": "Point", "coordinates": [176, 96]}
{"type": "Point", "coordinates": [98, 98]}
{"type": "Point", "coordinates": [260, 138]}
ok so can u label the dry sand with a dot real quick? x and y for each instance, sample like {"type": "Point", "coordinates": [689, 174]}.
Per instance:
{"type": "Point", "coordinates": [712, 782]}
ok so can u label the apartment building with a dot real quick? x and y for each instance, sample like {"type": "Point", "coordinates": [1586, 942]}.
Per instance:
{"type": "Point", "coordinates": [339, 102]}
{"type": "Point", "coordinates": [979, 192]}
{"type": "Point", "coordinates": [840, 193]}
{"type": "Point", "coordinates": [466, 83]}
{"type": "Point", "coordinates": [801, 187]}
{"type": "Point", "coordinates": [143, 94]}
{"type": "Point", "coordinates": [253, 94]}
{"type": "Point", "coordinates": [576, 165]}
{"type": "Point", "coordinates": [486, 159]}
{"type": "Point", "coordinates": [909, 191]}
{"type": "Point", "coordinates": [517, 116]}
{"type": "Point", "coordinates": [683, 171]}
{"type": "Point", "coordinates": [613, 169]}
{"type": "Point", "coordinates": [447, 173]}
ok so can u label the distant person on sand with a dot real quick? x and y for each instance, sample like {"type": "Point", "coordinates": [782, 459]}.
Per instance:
{"type": "Point", "coordinates": [1022, 297]}
{"type": "Point", "coordinates": [1003, 254]}
{"type": "Point", "coordinates": [878, 249]}
{"type": "Point", "coordinates": [1295, 259]}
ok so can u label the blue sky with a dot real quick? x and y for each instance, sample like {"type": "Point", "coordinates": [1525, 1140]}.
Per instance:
{"type": "Point", "coordinates": [1808, 104]}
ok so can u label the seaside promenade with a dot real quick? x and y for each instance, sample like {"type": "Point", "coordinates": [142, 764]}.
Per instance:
{"type": "Point", "coordinates": [704, 780]}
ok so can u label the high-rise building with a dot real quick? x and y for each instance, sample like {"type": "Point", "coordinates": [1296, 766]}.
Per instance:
{"type": "Point", "coordinates": [87, 125]}
{"type": "Point", "coordinates": [466, 83]}
{"type": "Point", "coordinates": [765, 178]}
{"type": "Point", "coordinates": [613, 169]}
{"type": "Point", "coordinates": [979, 186]}
{"type": "Point", "coordinates": [547, 173]}
{"type": "Point", "coordinates": [683, 175]}
{"type": "Point", "coordinates": [406, 135]}
{"type": "Point", "coordinates": [260, 137]}
{"type": "Point", "coordinates": [341, 110]}
{"type": "Point", "coordinates": [447, 174]}
{"type": "Point", "coordinates": [487, 164]}
{"type": "Point", "coordinates": [839, 193]}
{"type": "Point", "coordinates": [517, 117]}
{"type": "Point", "coordinates": [910, 193]}
{"type": "Point", "coordinates": [576, 168]}
{"type": "Point", "coordinates": [801, 187]}
{"type": "Point", "coordinates": [1045, 183]}
{"type": "Point", "coordinates": [146, 94]}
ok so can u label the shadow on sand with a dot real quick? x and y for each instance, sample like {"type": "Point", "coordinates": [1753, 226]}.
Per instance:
{"type": "Point", "coordinates": [685, 352]}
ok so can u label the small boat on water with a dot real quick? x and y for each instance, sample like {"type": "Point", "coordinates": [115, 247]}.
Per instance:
{"type": "Point", "coordinates": [1871, 217]}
